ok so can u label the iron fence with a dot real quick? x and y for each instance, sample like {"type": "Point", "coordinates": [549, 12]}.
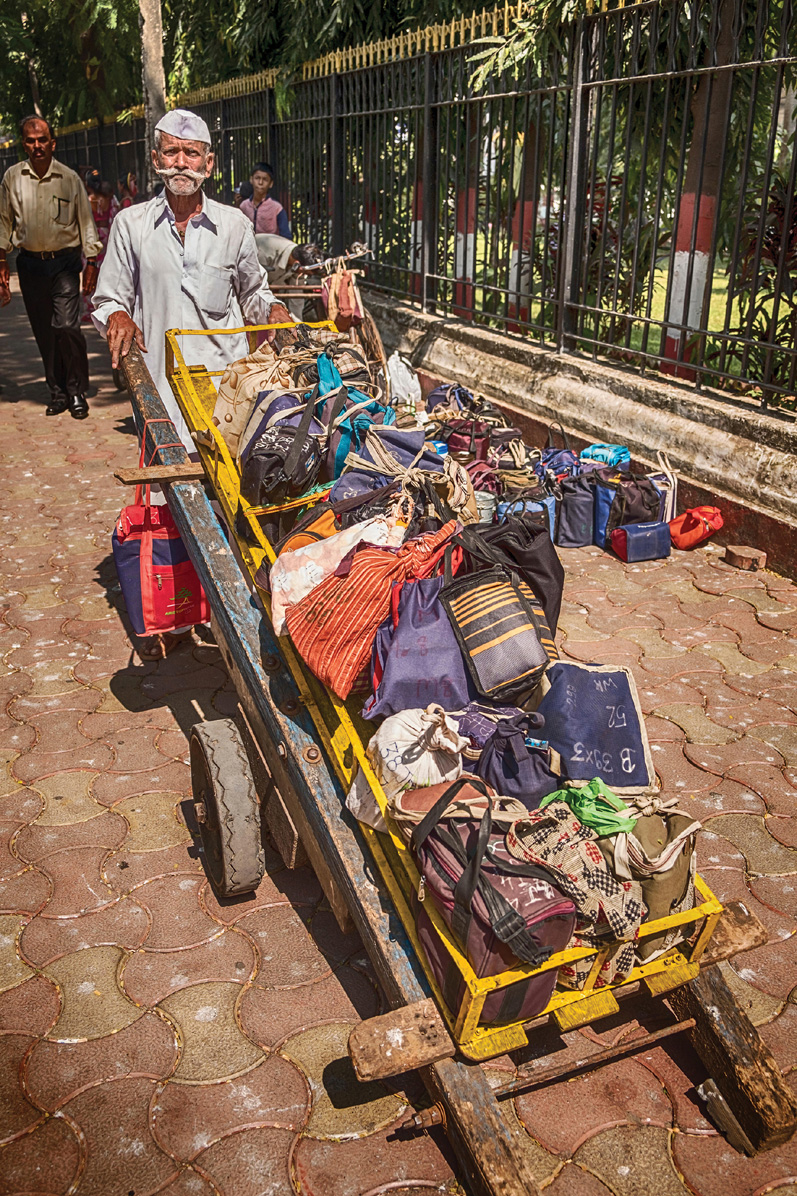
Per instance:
{"type": "Point", "coordinates": [627, 193]}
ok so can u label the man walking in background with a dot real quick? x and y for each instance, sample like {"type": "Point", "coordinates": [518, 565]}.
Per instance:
{"type": "Point", "coordinates": [45, 212]}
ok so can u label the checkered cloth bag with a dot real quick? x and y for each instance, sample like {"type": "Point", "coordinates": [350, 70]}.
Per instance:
{"type": "Point", "coordinates": [608, 910]}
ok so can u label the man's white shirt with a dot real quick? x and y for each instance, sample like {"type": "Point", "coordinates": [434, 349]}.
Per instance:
{"type": "Point", "coordinates": [214, 280]}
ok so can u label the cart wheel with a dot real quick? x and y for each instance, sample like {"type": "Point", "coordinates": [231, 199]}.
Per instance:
{"type": "Point", "coordinates": [226, 808]}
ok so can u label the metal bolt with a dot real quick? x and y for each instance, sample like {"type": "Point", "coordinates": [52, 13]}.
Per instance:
{"type": "Point", "coordinates": [311, 754]}
{"type": "Point", "coordinates": [271, 663]}
{"type": "Point", "coordinates": [200, 811]}
{"type": "Point", "coordinates": [282, 749]}
{"type": "Point", "coordinates": [290, 706]}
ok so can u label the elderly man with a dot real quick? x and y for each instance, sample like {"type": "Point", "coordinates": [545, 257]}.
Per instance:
{"type": "Point", "coordinates": [181, 261]}
{"type": "Point", "coordinates": [45, 211]}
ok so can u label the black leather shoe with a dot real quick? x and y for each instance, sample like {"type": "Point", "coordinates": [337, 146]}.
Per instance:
{"type": "Point", "coordinates": [78, 407]}
{"type": "Point", "coordinates": [57, 405]}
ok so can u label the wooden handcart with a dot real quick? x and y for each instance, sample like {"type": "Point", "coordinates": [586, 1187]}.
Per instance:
{"type": "Point", "coordinates": [288, 759]}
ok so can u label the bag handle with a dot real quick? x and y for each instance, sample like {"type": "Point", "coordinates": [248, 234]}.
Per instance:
{"type": "Point", "coordinates": [557, 424]}
{"type": "Point", "coordinates": [292, 458]}
{"type": "Point", "coordinates": [430, 820]}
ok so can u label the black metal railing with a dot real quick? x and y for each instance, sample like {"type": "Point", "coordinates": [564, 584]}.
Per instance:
{"type": "Point", "coordinates": [631, 196]}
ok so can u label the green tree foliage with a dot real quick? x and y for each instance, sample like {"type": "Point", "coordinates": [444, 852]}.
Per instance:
{"type": "Point", "coordinates": [82, 58]}
{"type": "Point", "coordinates": [74, 58]}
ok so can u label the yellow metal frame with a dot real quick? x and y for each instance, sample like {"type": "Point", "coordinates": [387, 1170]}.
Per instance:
{"type": "Point", "coordinates": [344, 735]}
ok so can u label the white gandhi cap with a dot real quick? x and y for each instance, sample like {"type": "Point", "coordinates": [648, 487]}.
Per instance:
{"type": "Point", "coordinates": [185, 125]}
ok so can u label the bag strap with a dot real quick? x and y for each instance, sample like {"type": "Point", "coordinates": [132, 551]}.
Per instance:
{"type": "Point", "coordinates": [432, 817]}
{"type": "Point", "coordinates": [155, 451]}
{"type": "Point", "coordinates": [292, 458]}
{"type": "Point", "coordinates": [557, 424]}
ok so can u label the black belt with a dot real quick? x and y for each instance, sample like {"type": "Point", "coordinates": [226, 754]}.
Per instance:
{"type": "Point", "coordinates": [45, 255]}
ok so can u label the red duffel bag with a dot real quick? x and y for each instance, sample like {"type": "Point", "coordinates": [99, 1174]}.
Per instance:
{"type": "Point", "coordinates": [695, 526]}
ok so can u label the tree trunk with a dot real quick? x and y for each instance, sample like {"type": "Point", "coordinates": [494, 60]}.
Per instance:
{"type": "Point", "coordinates": [152, 77]}
{"type": "Point", "coordinates": [693, 238]}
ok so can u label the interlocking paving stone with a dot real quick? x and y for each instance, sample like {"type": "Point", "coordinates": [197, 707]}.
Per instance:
{"type": "Point", "coordinates": [122, 923]}
{"type": "Point", "coordinates": [154, 821]}
{"type": "Point", "coordinates": [32, 1006]}
{"type": "Point", "coordinates": [560, 1116]}
{"type": "Point", "coordinates": [67, 797]}
{"type": "Point", "coordinates": [364, 1165]}
{"type": "Point", "coordinates": [713, 1168]}
{"type": "Point", "coordinates": [695, 723]}
{"type": "Point", "coordinates": [92, 1005]}
{"type": "Point", "coordinates": [121, 1154]}
{"type": "Point", "coordinates": [269, 1019]}
{"type": "Point", "coordinates": [763, 853]}
{"type": "Point", "coordinates": [633, 1160]}
{"type": "Point", "coordinates": [214, 1048]}
{"type": "Point", "coordinates": [342, 1106]}
{"type": "Point", "coordinates": [18, 1112]}
{"type": "Point", "coordinates": [33, 842]}
{"type": "Point", "coordinates": [273, 1095]}
{"type": "Point", "coordinates": [45, 1161]}
{"type": "Point", "coordinates": [149, 976]}
{"type": "Point", "coordinates": [56, 1071]}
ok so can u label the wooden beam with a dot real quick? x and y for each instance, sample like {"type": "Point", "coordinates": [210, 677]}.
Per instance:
{"type": "Point", "coordinates": [150, 474]}
{"type": "Point", "coordinates": [737, 1060]}
{"type": "Point", "coordinates": [400, 1041]}
{"type": "Point", "coordinates": [738, 930]}
{"type": "Point", "coordinates": [490, 1149]}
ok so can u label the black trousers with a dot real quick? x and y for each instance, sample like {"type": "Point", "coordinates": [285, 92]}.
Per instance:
{"type": "Point", "coordinates": [51, 292]}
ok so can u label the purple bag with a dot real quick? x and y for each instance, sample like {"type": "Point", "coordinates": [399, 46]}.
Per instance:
{"type": "Point", "coordinates": [416, 658]}
{"type": "Point", "coordinates": [448, 394]}
{"type": "Point", "coordinates": [517, 764]}
{"type": "Point", "coordinates": [501, 912]}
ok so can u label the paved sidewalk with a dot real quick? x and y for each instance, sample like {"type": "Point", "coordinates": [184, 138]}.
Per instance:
{"type": "Point", "coordinates": [156, 1041]}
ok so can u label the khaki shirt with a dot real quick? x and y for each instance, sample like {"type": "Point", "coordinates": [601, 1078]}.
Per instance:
{"type": "Point", "coordinates": [48, 213]}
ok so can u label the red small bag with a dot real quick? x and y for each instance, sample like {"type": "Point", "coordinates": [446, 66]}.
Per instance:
{"type": "Point", "coordinates": [159, 583]}
{"type": "Point", "coordinates": [695, 526]}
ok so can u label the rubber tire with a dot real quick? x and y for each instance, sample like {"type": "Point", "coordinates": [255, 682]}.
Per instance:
{"type": "Point", "coordinates": [222, 780]}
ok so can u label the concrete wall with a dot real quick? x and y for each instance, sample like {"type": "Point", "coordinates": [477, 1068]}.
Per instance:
{"type": "Point", "coordinates": [726, 453]}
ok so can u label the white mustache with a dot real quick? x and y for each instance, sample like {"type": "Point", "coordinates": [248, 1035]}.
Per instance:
{"type": "Point", "coordinates": [172, 172]}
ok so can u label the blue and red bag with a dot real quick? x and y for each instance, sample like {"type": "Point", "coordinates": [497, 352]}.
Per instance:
{"type": "Point", "coordinates": [641, 541]}
{"type": "Point", "coordinates": [159, 583]}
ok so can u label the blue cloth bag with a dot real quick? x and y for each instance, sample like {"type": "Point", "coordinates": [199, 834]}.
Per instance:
{"type": "Point", "coordinates": [516, 763]}
{"type": "Point", "coordinates": [576, 519]}
{"type": "Point", "coordinates": [594, 721]}
{"type": "Point", "coordinates": [416, 658]}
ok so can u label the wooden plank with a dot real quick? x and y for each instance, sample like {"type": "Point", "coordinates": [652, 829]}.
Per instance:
{"type": "Point", "coordinates": [400, 1041]}
{"type": "Point", "coordinates": [738, 930]}
{"type": "Point", "coordinates": [491, 1151]}
{"type": "Point", "coordinates": [150, 474]}
{"type": "Point", "coordinates": [737, 1059]}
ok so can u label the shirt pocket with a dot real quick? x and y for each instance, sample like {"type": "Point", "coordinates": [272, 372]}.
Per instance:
{"type": "Point", "coordinates": [63, 210]}
{"type": "Point", "coordinates": [215, 289]}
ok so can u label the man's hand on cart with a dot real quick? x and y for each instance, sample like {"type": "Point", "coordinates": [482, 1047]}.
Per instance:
{"type": "Point", "coordinates": [279, 314]}
{"type": "Point", "coordinates": [122, 331]}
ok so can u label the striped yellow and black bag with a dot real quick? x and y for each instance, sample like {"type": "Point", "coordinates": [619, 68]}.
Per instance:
{"type": "Point", "coordinates": [501, 629]}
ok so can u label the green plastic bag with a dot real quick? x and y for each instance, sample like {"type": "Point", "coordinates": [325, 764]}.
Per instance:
{"type": "Point", "coordinates": [595, 806]}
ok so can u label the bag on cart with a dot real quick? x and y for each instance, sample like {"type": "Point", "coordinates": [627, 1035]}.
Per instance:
{"type": "Point", "coordinates": [500, 913]}
{"type": "Point", "coordinates": [516, 762]}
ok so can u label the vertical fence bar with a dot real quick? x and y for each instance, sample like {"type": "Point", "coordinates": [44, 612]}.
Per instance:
{"type": "Point", "coordinates": [431, 199]}
{"type": "Point", "coordinates": [573, 202]}
{"type": "Point", "coordinates": [336, 166]}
